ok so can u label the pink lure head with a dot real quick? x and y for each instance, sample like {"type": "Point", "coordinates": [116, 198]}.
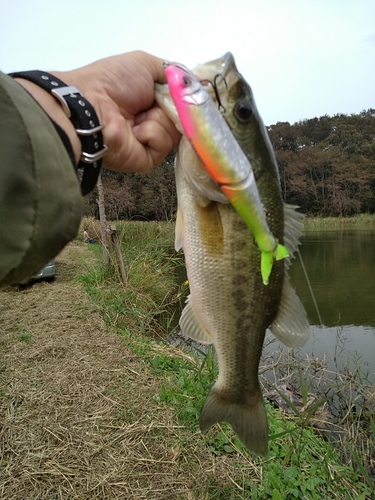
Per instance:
{"type": "Point", "coordinates": [186, 91]}
{"type": "Point", "coordinates": [181, 82]}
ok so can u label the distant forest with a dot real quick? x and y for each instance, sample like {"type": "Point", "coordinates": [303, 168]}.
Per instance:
{"type": "Point", "coordinates": [327, 167]}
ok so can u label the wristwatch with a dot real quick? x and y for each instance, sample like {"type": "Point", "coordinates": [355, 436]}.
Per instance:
{"type": "Point", "coordinates": [85, 121]}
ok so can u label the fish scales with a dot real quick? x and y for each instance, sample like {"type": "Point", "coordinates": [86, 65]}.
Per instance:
{"type": "Point", "coordinates": [220, 253]}
{"type": "Point", "coordinates": [229, 305]}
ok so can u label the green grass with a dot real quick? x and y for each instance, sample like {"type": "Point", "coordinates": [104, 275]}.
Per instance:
{"type": "Point", "coordinates": [22, 334]}
{"type": "Point", "coordinates": [300, 463]}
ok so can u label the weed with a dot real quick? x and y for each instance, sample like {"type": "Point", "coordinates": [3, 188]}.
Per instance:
{"type": "Point", "coordinates": [22, 334]}
{"type": "Point", "coordinates": [310, 456]}
{"type": "Point", "coordinates": [25, 338]}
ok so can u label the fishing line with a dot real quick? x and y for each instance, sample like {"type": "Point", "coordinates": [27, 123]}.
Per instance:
{"type": "Point", "coordinates": [310, 287]}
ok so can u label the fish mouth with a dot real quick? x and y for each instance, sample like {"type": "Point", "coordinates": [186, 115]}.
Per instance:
{"type": "Point", "coordinates": [223, 66]}
{"type": "Point", "coordinates": [211, 71]}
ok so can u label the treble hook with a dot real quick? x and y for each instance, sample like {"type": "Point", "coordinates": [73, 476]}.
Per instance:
{"type": "Point", "coordinates": [214, 86]}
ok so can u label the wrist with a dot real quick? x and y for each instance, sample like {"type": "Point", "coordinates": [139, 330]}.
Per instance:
{"type": "Point", "coordinates": [54, 110]}
{"type": "Point", "coordinates": [82, 116]}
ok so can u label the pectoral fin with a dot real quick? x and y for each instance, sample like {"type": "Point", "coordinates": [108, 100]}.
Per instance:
{"type": "Point", "coordinates": [291, 325]}
{"type": "Point", "coordinates": [191, 325]}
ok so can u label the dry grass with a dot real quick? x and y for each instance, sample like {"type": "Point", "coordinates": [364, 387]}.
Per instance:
{"type": "Point", "coordinates": [78, 417]}
{"type": "Point", "coordinates": [77, 414]}
{"type": "Point", "coordinates": [343, 401]}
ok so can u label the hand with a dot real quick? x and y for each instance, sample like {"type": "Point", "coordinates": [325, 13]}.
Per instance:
{"type": "Point", "coordinates": [121, 89]}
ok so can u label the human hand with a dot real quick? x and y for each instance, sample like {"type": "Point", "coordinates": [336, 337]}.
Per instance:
{"type": "Point", "coordinates": [121, 89]}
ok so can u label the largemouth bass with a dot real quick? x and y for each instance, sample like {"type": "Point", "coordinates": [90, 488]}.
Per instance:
{"type": "Point", "coordinates": [229, 305]}
{"type": "Point", "coordinates": [223, 159]}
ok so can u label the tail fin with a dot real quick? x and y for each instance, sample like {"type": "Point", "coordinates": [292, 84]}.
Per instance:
{"type": "Point", "coordinates": [268, 258]}
{"type": "Point", "coordinates": [249, 422]}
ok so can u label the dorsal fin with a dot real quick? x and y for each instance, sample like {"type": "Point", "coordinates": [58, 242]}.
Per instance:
{"type": "Point", "coordinates": [292, 230]}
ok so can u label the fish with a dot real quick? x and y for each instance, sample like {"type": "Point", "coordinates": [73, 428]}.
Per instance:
{"type": "Point", "coordinates": [223, 159]}
{"type": "Point", "coordinates": [229, 306]}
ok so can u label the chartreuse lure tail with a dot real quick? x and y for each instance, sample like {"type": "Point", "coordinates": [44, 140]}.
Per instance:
{"type": "Point", "coordinates": [241, 196]}
{"type": "Point", "coordinates": [268, 258]}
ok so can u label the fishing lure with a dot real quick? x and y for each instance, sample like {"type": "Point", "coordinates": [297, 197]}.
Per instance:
{"type": "Point", "coordinates": [222, 158]}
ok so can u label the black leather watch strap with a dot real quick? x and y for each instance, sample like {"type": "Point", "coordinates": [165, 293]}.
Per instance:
{"type": "Point", "coordinates": [84, 119]}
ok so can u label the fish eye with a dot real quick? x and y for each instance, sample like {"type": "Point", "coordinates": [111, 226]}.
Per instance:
{"type": "Point", "coordinates": [243, 110]}
{"type": "Point", "coordinates": [186, 81]}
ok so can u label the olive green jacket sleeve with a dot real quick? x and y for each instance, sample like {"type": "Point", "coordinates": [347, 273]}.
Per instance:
{"type": "Point", "coordinates": [40, 198]}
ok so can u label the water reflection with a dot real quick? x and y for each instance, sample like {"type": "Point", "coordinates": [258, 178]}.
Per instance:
{"type": "Point", "coordinates": [341, 268]}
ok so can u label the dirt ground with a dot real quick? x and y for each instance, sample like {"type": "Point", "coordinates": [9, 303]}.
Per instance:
{"type": "Point", "coordinates": [77, 418]}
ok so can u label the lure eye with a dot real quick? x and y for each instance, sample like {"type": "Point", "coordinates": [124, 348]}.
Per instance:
{"type": "Point", "coordinates": [186, 81]}
{"type": "Point", "coordinates": [243, 111]}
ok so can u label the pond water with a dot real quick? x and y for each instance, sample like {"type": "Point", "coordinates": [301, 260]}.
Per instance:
{"type": "Point", "coordinates": [340, 266]}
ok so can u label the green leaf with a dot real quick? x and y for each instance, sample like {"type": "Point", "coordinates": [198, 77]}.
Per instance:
{"type": "Point", "coordinates": [228, 449]}
{"type": "Point", "coordinates": [288, 402]}
{"type": "Point", "coordinates": [276, 495]}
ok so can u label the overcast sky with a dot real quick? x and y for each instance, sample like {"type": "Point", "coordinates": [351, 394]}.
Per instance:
{"type": "Point", "coordinates": [303, 58]}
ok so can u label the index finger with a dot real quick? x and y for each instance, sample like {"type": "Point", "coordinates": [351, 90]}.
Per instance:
{"type": "Point", "coordinates": [153, 64]}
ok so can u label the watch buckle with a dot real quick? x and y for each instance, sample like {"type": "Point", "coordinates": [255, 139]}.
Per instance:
{"type": "Point", "coordinates": [61, 92]}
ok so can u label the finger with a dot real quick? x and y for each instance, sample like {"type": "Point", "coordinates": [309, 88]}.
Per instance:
{"type": "Point", "coordinates": [141, 148]}
{"type": "Point", "coordinates": [155, 122]}
{"type": "Point", "coordinates": [154, 65]}
{"type": "Point", "coordinates": [159, 137]}
{"type": "Point", "coordinates": [156, 114]}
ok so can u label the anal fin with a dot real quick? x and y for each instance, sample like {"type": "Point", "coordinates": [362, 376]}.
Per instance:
{"type": "Point", "coordinates": [191, 325]}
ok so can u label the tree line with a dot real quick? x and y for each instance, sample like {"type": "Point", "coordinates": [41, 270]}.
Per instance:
{"type": "Point", "coordinates": [327, 164]}
{"type": "Point", "coordinates": [327, 167]}
{"type": "Point", "coordinates": [132, 196]}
